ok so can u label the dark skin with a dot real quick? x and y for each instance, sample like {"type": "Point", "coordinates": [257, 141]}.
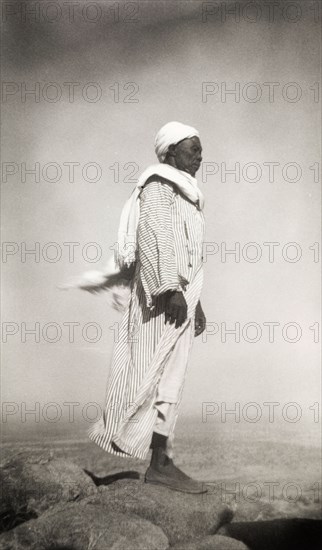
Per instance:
{"type": "Point", "coordinates": [186, 156]}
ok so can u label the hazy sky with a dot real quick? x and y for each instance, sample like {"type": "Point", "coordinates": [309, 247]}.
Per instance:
{"type": "Point", "coordinates": [145, 72]}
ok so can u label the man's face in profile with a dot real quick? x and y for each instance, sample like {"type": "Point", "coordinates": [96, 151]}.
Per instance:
{"type": "Point", "coordinates": [187, 155]}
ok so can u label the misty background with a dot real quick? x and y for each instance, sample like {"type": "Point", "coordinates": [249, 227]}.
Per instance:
{"type": "Point", "coordinates": [166, 51]}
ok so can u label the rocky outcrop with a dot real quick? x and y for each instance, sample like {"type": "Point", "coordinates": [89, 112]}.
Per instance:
{"type": "Point", "coordinates": [75, 527]}
{"type": "Point", "coordinates": [51, 504]}
{"type": "Point", "coordinates": [31, 486]}
{"type": "Point", "coordinates": [58, 505]}
{"type": "Point", "coordinates": [181, 516]}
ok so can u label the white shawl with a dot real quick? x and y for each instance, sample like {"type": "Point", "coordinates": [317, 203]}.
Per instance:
{"type": "Point", "coordinates": [115, 275]}
{"type": "Point", "coordinates": [131, 210]}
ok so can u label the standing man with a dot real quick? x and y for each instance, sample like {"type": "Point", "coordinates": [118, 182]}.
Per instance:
{"type": "Point", "coordinates": [160, 238]}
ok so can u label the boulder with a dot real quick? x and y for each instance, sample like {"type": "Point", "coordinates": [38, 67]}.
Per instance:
{"type": "Point", "coordinates": [29, 485]}
{"type": "Point", "coordinates": [181, 516]}
{"type": "Point", "coordinates": [75, 527]}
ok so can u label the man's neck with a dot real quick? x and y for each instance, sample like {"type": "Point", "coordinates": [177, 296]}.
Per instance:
{"type": "Point", "coordinates": [171, 162]}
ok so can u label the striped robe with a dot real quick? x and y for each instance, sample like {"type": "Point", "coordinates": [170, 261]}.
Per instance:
{"type": "Point", "coordinates": [150, 357]}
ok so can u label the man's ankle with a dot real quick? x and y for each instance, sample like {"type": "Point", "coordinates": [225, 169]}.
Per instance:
{"type": "Point", "coordinates": [158, 458]}
{"type": "Point", "coordinates": [158, 441]}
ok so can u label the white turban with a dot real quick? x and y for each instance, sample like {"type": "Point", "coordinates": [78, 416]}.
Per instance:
{"type": "Point", "coordinates": [170, 134]}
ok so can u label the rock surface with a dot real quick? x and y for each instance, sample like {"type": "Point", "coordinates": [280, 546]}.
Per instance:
{"type": "Point", "coordinates": [74, 510]}
{"type": "Point", "coordinates": [75, 527]}
{"type": "Point", "coordinates": [34, 485]}
{"type": "Point", "coordinates": [71, 512]}
{"type": "Point", "coordinates": [181, 516]}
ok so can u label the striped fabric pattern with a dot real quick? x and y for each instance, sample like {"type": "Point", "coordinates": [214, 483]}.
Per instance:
{"type": "Point", "coordinates": [170, 239]}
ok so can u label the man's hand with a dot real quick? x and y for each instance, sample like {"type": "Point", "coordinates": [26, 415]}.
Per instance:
{"type": "Point", "coordinates": [175, 308]}
{"type": "Point", "coordinates": [200, 320]}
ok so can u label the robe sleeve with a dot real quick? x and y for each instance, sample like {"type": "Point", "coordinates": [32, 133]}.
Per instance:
{"type": "Point", "coordinates": [158, 267]}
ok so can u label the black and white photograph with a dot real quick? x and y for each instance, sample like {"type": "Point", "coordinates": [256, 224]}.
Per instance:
{"type": "Point", "coordinates": [161, 275]}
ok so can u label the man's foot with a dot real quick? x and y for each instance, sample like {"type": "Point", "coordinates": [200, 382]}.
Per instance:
{"type": "Point", "coordinates": [166, 473]}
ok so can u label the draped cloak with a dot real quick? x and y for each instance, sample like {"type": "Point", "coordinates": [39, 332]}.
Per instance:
{"type": "Point", "coordinates": [150, 357]}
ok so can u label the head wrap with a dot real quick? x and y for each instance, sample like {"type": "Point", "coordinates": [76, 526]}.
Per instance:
{"type": "Point", "coordinates": [170, 134]}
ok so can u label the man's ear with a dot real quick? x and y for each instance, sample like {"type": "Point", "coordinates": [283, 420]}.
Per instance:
{"type": "Point", "coordinates": [171, 150]}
